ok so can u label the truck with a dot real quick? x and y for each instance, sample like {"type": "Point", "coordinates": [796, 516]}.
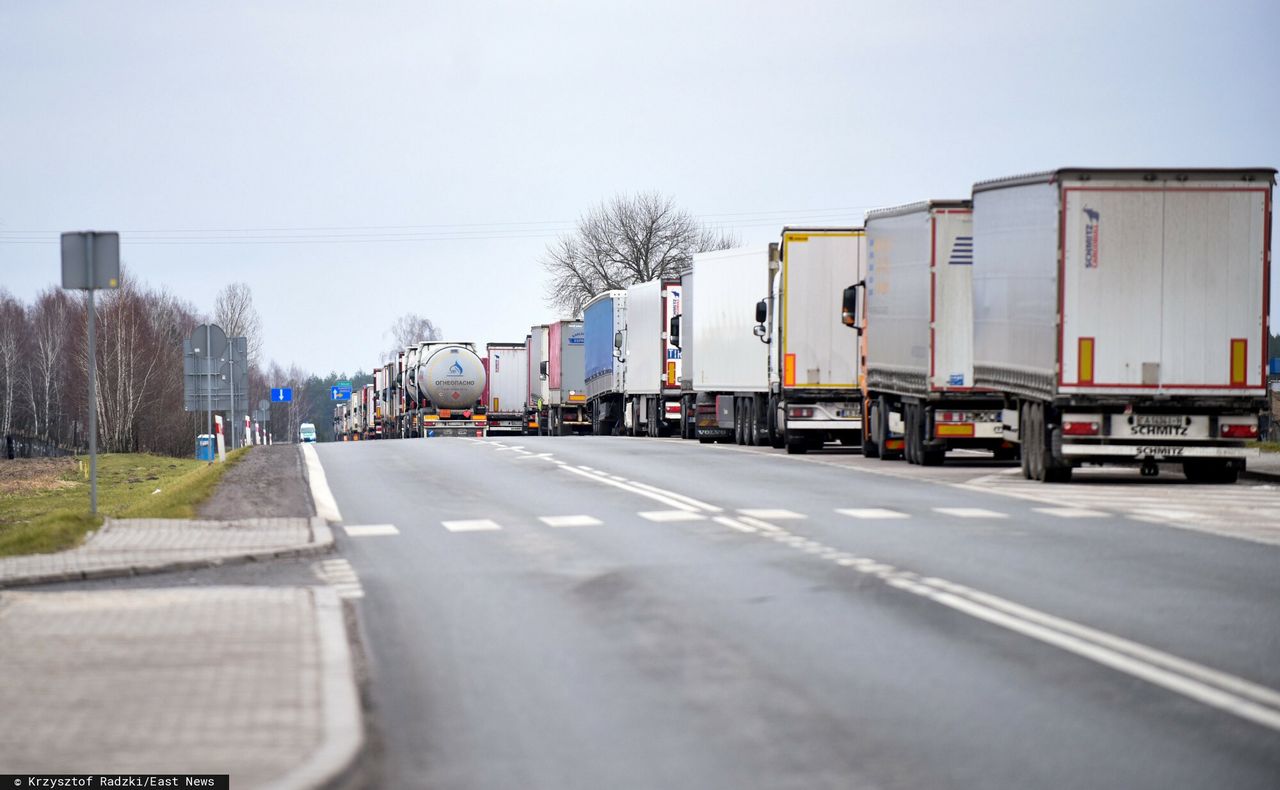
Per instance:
{"type": "Point", "coordinates": [651, 393]}
{"type": "Point", "coordinates": [604, 321]}
{"type": "Point", "coordinates": [508, 381]}
{"type": "Point", "coordinates": [729, 373]}
{"type": "Point", "coordinates": [815, 386]}
{"type": "Point", "coordinates": [681, 331]}
{"type": "Point", "coordinates": [450, 383]}
{"type": "Point", "coordinates": [1122, 314]}
{"type": "Point", "coordinates": [920, 398]}
{"type": "Point", "coordinates": [566, 404]}
{"type": "Point", "coordinates": [537, 393]}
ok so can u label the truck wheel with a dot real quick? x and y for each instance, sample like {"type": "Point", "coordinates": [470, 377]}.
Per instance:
{"type": "Point", "coordinates": [870, 446]}
{"type": "Point", "coordinates": [756, 433]}
{"type": "Point", "coordinates": [777, 423]}
{"type": "Point", "coordinates": [910, 434]}
{"type": "Point", "coordinates": [1024, 456]}
{"type": "Point", "coordinates": [797, 445]}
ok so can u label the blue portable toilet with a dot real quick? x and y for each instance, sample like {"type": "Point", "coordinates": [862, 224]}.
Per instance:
{"type": "Point", "coordinates": [204, 447]}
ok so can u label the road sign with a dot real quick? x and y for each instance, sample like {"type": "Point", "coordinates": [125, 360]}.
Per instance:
{"type": "Point", "coordinates": [338, 393]}
{"type": "Point", "coordinates": [281, 394]}
{"type": "Point", "coordinates": [90, 259]}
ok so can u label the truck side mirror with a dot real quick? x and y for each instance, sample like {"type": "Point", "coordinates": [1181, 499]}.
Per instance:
{"type": "Point", "coordinates": [673, 331]}
{"type": "Point", "coordinates": [849, 306]}
{"type": "Point", "coordinates": [542, 369]}
{"type": "Point", "coordinates": [762, 311]}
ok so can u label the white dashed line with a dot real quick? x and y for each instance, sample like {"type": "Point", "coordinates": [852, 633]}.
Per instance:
{"type": "Point", "coordinates": [733, 524]}
{"type": "Point", "coordinates": [771, 513]}
{"type": "Point", "coordinates": [1165, 515]}
{"type": "Point", "coordinates": [969, 512]}
{"type": "Point", "coordinates": [371, 530]}
{"type": "Point", "coordinates": [1070, 512]}
{"type": "Point", "coordinates": [471, 525]}
{"type": "Point", "coordinates": [570, 521]}
{"type": "Point", "coordinates": [670, 515]}
{"type": "Point", "coordinates": [870, 512]}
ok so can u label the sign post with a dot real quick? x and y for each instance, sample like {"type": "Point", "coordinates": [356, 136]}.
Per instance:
{"type": "Point", "coordinates": [91, 260]}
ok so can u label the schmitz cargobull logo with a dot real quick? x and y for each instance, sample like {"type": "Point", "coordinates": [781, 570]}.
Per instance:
{"type": "Point", "coordinates": [1091, 238]}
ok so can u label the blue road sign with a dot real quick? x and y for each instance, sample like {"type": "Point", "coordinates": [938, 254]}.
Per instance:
{"type": "Point", "coordinates": [340, 393]}
{"type": "Point", "coordinates": [1275, 366]}
{"type": "Point", "coordinates": [281, 395]}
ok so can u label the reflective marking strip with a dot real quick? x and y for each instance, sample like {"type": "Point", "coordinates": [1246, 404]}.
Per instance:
{"type": "Point", "coordinates": [1084, 360]}
{"type": "Point", "coordinates": [569, 521]}
{"type": "Point", "coordinates": [789, 370]}
{"type": "Point", "coordinates": [371, 530]}
{"type": "Point", "coordinates": [1069, 512]}
{"type": "Point", "coordinates": [770, 513]}
{"type": "Point", "coordinates": [946, 429]}
{"type": "Point", "coordinates": [870, 512]}
{"type": "Point", "coordinates": [969, 512]}
{"type": "Point", "coordinates": [1239, 355]}
{"type": "Point", "coordinates": [670, 515]}
{"type": "Point", "coordinates": [470, 525]}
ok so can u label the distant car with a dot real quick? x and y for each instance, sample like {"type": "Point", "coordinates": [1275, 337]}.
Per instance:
{"type": "Point", "coordinates": [306, 432]}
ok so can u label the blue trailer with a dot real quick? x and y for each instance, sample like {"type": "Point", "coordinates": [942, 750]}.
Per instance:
{"type": "Point", "coordinates": [604, 322]}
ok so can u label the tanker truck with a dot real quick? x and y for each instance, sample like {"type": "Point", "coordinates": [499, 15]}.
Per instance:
{"type": "Point", "coordinates": [449, 381]}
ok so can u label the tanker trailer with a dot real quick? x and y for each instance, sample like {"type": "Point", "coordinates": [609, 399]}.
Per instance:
{"type": "Point", "coordinates": [450, 379]}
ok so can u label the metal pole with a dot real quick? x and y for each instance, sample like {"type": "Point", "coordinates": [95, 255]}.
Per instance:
{"type": "Point", "coordinates": [208, 358]}
{"type": "Point", "coordinates": [93, 388]}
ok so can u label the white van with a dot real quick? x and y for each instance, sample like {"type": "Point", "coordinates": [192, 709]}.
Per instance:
{"type": "Point", "coordinates": [307, 432]}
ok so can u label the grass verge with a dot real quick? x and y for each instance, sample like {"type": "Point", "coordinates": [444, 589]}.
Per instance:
{"type": "Point", "coordinates": [50, 513]}
{"type": "Point", "coordinates": [1266, 447]}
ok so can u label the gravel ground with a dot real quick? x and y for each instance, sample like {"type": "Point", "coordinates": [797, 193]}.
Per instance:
{"type": "Point", "coordinates": [268, 482]}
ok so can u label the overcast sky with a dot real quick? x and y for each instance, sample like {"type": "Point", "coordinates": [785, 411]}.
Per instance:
{"type": "Point", "coordinates": [355, 161]}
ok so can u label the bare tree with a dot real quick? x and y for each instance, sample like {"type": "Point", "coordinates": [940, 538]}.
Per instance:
{"type": "Point", "coordinates": [13, 330]}
{"type": "Point", "coordinates": [626, 240]}
{"type": "Point", "coordinates": [411, 328]}
{"type": "Point", "coordinates": [233, 310]}
{"type": "Point", "coordinates": [50, 326]}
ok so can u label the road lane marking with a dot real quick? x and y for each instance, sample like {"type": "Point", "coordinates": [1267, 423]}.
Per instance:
{"type": "Point", "coordinates": [1214, 688]}
{"type": "Point", "coordinates": [969, 512]}
{"type": "Point", "coordinates": [733, 524]}
{"type": "Point", "coordinates": [695, 502]}
{"type": "Point", "coordinates": [471, 525]}
{"type": "Point", "coordinates": [1070, 512]}
{"type": "Point", "coordinates": [546, 456]}
{"type": "Point", "coordinates": [763, 526]}
{"type": "Point", "coordinates": [1165, 515]}
{"type": "Point", "coordinates": [371, 530]}
{"type": "Point", "coordinates": [570, 521]}
{"type": "Point", "coordinates": [775, 514]}
{"type": "Point", "coordinates": [870, 512]}
{"type": "Point", "coordinates": [321, 496]}
{"type": "Point", "coordinates": [670, 515]}
{"type": "Point", "coordinates": [664, 499]}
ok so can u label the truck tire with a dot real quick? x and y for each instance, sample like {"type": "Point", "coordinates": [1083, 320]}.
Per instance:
{"type": "Point", "coordinates": [757, 435]}
{"type": "Point", "coordinates": [797, 445]}
{"type": "Point", "coordinates": [777, 424]}
{"type": "Point", "coordinates": [1024, 452]}
{"type": "Point", "coordinates": [870, 445]}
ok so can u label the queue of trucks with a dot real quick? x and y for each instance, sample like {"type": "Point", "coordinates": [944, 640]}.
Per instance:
{"type": "Point", "coordinates": [1074, 316]}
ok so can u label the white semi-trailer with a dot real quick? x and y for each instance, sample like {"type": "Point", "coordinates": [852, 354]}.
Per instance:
{"type": "Point", "coordinates": [730, 369]}
{"type": "Point", "coordinates": [508, 383]}
{"type": "Point", "coordinates": [815, 393]}
{"type": "Point", "coordinates": [921, 399]}
{"type": "Point", "coordinates": [450, 379]}
{"type": "Point", "coordinates": [680, 329]}
{"type": "Point", "coordinates": [652, 391]}
{"type": "Point", "coordinates": [538, 391]}
{"type": "Point", "coordinates": [1123, 315]}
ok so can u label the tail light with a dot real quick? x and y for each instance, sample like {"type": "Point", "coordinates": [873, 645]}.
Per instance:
{"type": "Point", "coordinates": [800, 412]}
{"type": "Point", "coordinates": [1240, 431]}
{"type": "Point", "coordinates": [1080, 428]}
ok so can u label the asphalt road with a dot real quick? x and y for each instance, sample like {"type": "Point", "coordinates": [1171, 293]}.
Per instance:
{"type": "Point", "coordinates": [633, 613]}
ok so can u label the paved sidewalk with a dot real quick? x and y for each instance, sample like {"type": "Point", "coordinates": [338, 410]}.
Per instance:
{"type": "Point", "coordinates": [254, 682]}
{"type": "Point", "coordinates": [134, 546]}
